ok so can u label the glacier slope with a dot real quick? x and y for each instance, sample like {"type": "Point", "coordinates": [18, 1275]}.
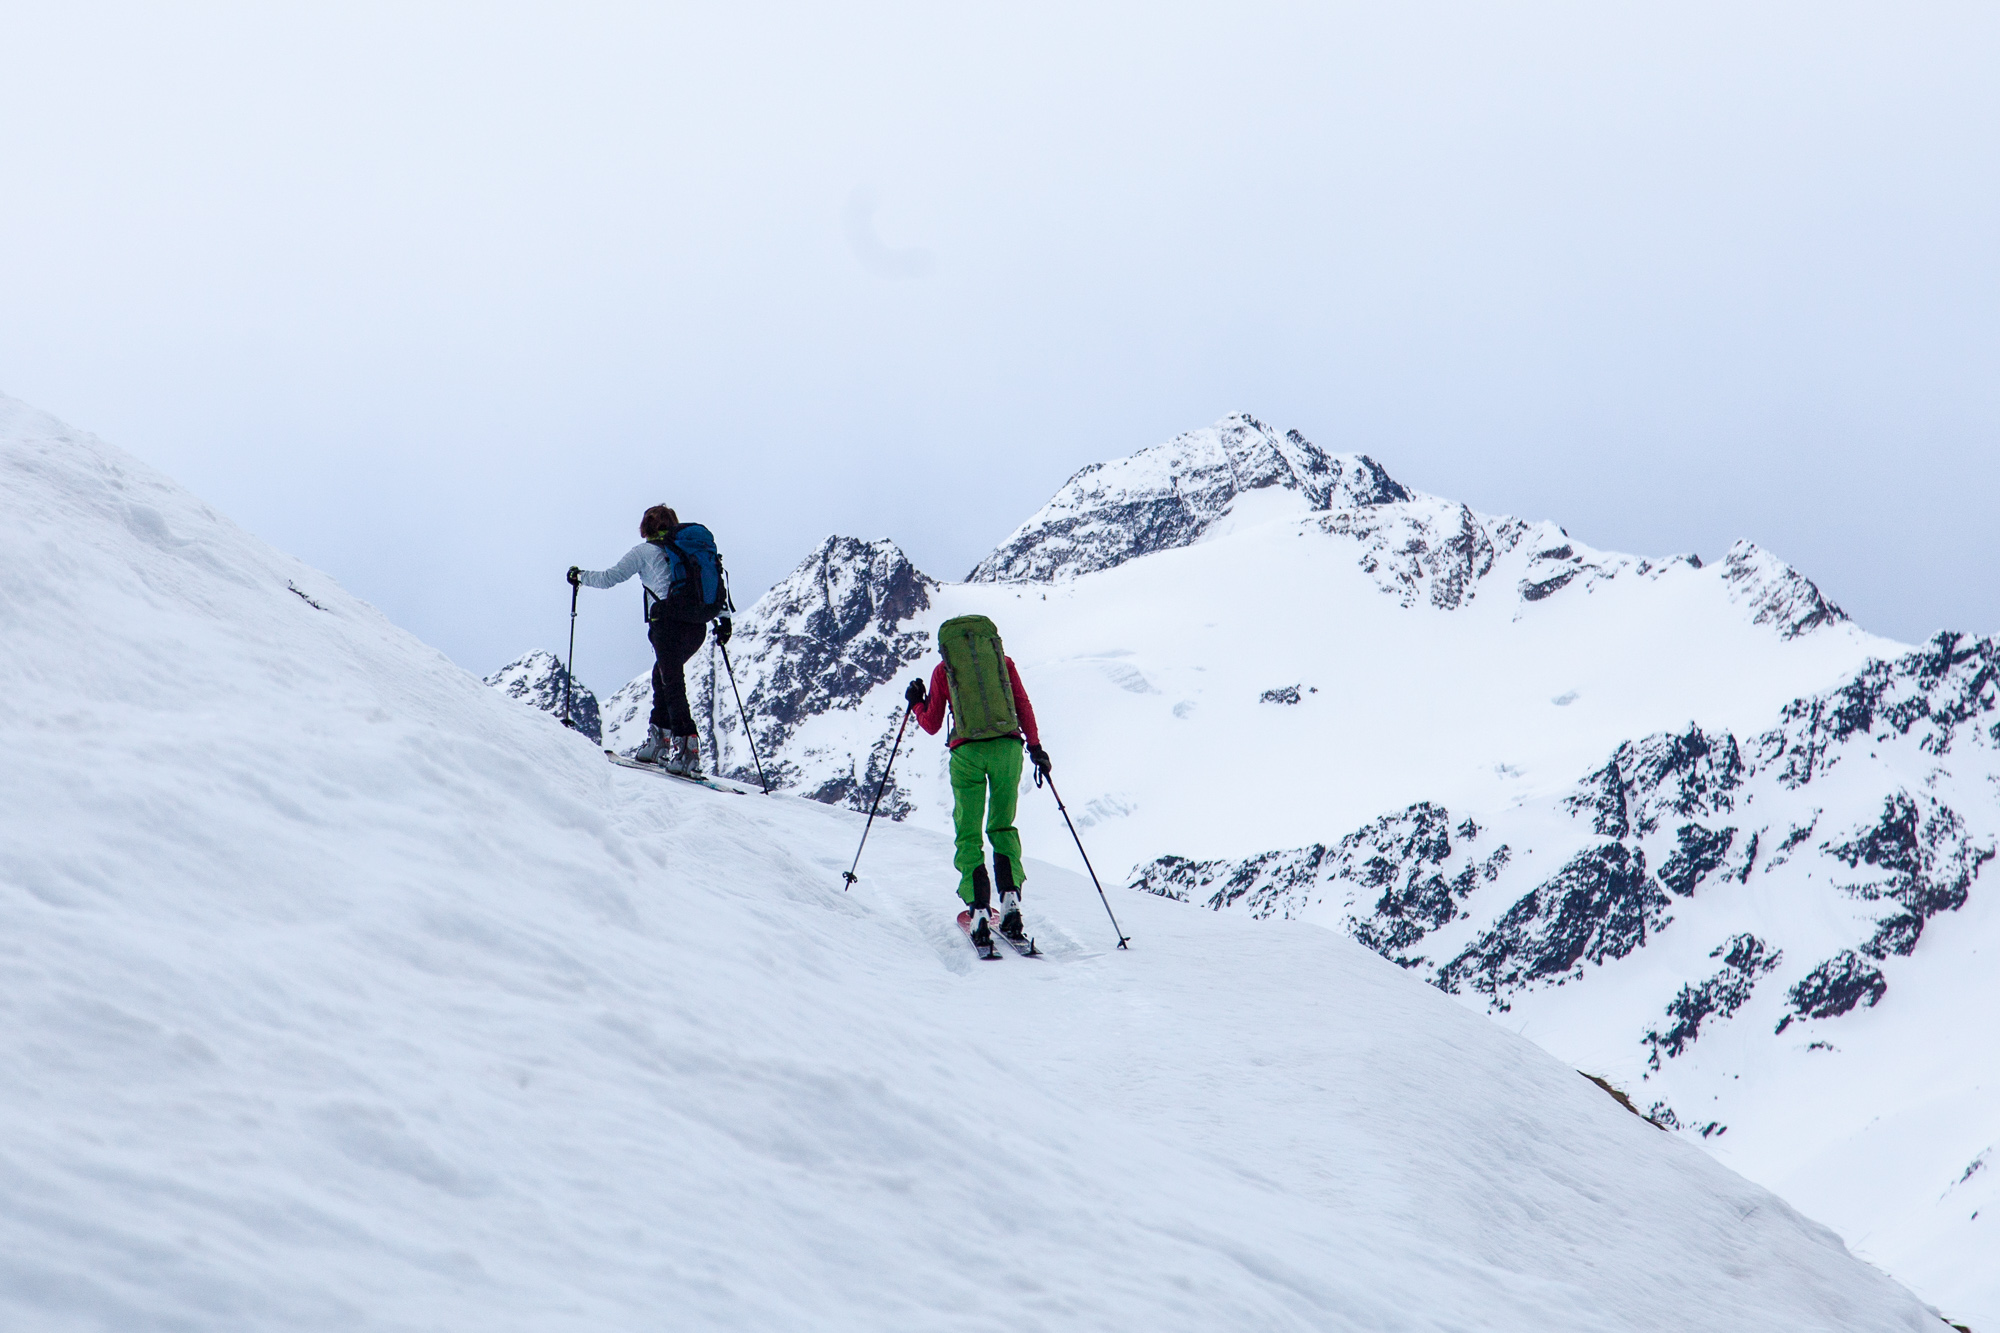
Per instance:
{"type": "Point", "coordinates": [342, 992]}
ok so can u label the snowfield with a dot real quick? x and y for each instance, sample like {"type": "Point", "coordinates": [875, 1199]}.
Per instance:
{"type": "Point", "coordinates": [344, 992]}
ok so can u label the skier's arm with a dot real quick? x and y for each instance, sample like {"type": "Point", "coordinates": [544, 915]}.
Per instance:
{"type": "Point", "coordinates": [930, 713]}
{"type": "Point", "coordinates": [618, 573]}
{"type": "Point", "coordinates": [1023, 707]}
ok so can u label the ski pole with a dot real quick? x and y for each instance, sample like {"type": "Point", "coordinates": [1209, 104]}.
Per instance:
{"type": "Point", "coordinates": [744, 714]}
{"type": "Point", "coordinates": [1042, 776]}
{"type": "Point", "coordinates": [880, 787]}
{"type": "Point", "coordinates": [570, 670]}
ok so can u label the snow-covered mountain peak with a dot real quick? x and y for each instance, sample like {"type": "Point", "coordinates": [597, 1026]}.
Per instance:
{"type": "Point", "coordinates": [538, 680]}
{"type": "Point", "coordinates": [1777, 594]}
{"type": "Point", "coordinates": [842, 587]}
{"type": "Point", "coordinates": [1168, 495]}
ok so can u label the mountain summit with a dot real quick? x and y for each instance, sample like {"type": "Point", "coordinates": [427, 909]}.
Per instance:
{"type": "Point", "coordinates": [1172, 493]}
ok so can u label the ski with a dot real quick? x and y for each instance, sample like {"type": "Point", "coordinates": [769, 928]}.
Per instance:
{"type": "Point", "coordinates": [1025, 946]}
{"type": "Point", "coordinates": [711, 783]}
{"type": "Point", "coordinates": [990, 951]}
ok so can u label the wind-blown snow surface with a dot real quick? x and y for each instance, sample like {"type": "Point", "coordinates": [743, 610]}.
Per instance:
{"type": "Point", "coordinates": [343, 992]}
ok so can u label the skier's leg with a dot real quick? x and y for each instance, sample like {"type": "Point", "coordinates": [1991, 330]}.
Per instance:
{"type": "Point", "coordinates": [672, 734]}
{"type": "Point", "coordinates": [658, 633]}
{"type": "Point", "coordinates": [674, 642]}
{"type": "Point", "coordinates": [968, 810]}
{"type": "Point", "coordinates": [1002, 762]}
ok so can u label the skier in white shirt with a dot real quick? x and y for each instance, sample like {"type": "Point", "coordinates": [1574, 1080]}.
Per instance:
{"type": "Point", "coordinates": [678, 565]}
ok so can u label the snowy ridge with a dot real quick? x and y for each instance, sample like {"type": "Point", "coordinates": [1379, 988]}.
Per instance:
{"type": "Point", "coordinates": [1697, 889]}
{"type": "Point", "coordinates": [442, 1020]}
{"type": "Point", "coordinates": [538, 680]}
{"type": "Point", "coordinates": [1418, 548]}
{"type": "Point", "coordinates": [1170, 494]}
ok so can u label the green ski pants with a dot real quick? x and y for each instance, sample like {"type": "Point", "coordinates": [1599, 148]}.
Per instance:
{"type": "Point", "coordinates": [976, 767]}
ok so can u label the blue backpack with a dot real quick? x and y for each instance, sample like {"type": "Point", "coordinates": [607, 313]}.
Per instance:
{"type": "Point", "coordinates": [698, 590]}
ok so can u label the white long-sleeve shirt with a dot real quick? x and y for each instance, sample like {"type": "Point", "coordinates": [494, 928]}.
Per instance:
{"type": "Point", "coordinates": [646, 560]}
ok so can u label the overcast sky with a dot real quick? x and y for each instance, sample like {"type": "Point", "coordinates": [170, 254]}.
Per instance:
{"type": "Point", "coordinates": [439, 297]}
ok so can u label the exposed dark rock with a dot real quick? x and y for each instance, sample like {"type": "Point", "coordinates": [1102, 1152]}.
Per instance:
{"type": "Point", "coordinates": [1275, 883]}
{"type": "Point", "coordinates": [1424, 550]}
{"type": "Point", "coordinates": [1535, 592]}
{"type": "Point", "coordinates": [1835, 987]}
{"type": "Point", "coordinates": [1778, 595]}
{"type": "Point", "coordinates": [537, 680]}
{"type": "Point", "coordinates": [1744, 959]}
{"type": "Point", "coordinates": [1919, 848]}
{"type": "Point", "coordinates": [1698, 852]}
{"type": "Point", "coordinates": [1897, 934]}
{"type": "Point", "coordinates": [1288, 694]}
{"type": "Point", "coordinates": [1601, 905]}
{"type": "Point", "coordinates": [1405, 869]}
{"type": "Point", "coordinates": [1690, 774]}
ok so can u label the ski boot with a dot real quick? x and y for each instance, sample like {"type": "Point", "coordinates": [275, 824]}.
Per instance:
{"type": "Point", "coordinates": [982, 909]}
{"type": "Point", "coordinates": [1010, 900]}
{"type": "Point", "coordinates": [691, 756]}
{"type": "Point", "coordinates": [655, 746]}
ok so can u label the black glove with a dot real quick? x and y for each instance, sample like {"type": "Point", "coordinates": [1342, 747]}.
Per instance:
{"type": "Point", "coordinates": [915, 694]}
{"type": "Point", "coordinates": [722, 630]}
{"type": "Point", "coordinates": [1041, 758]}
{"type": "Point", "coordinates": [575, 576]}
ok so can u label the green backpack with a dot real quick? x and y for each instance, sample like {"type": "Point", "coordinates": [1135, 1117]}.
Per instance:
{"type": "Point", "coordinates": [982, 696]}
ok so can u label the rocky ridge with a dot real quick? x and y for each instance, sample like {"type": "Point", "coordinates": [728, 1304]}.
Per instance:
{"type": "Point", "coordinates": [1170, 494]}
{"type": "Point", "coordinates": [1863, 814]}
{"type": "Point", "coordinates": [1419, 549]}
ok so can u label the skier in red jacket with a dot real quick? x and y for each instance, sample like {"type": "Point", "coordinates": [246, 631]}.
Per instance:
{"type": "Point", "coordinates": [991, 721]}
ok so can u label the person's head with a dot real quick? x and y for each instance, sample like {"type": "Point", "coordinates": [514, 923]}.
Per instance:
{"type": "Point", "coordinates": [657, 522]}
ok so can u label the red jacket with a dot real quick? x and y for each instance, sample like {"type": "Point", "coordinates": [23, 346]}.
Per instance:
{"type": "Point", "coordinates": [930, 713]}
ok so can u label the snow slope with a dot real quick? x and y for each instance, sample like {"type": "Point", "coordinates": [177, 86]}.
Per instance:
{"type": "Point", "coordinates": [342, 992]}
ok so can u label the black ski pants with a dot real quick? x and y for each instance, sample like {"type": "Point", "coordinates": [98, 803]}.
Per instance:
{"type": "Point", "coordinates": [674, 642]}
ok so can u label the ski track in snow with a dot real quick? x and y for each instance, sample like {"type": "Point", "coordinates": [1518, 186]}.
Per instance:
{"type": "Point", "coordinates": [342, 992]}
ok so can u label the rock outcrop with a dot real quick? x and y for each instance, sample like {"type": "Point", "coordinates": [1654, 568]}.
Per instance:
{"type": "Point", "coordinates": [537, 680]}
